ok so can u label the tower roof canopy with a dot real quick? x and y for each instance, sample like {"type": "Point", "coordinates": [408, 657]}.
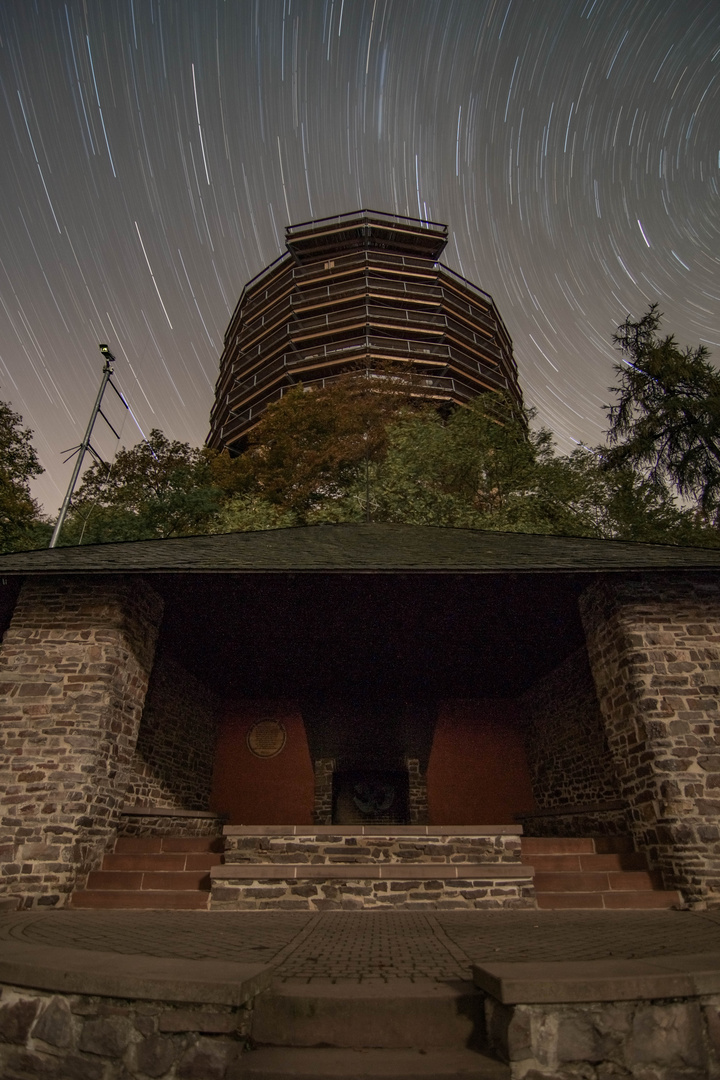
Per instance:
{"type": "Point", "coordinates": [335, 236]}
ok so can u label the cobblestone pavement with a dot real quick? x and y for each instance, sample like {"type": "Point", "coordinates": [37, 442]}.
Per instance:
{"type": "Point", "coordinates": [372, 945]}
{"type": "Point", "coordinates": [184, 935]}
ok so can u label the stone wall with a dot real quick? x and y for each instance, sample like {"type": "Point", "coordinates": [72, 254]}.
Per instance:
{"type": "Point", "coordinates": [417, 793]}
{"type": "Point", "coordinates": [568, 755]}
{"type": "Point", "coordinates": [322, 810]}
{"type": "Point", "coordinates": [608, 819]}
{"type": "Point", "coordinates": [182, 823]}
{"type": "Point", "coordinates": [173, 761]}
{"type": "Point", "coordinates": [101, 1038]}
{"type": "Point", "coordinates": [74, 668]}
{"type": "Point", "coordinates": [352, 844]}
{"type": "Point", "coordinates": [356, 893]}
{"type": "Point", "coordinates": [654, 649]}
{"type": "Point", "coordinates": [648, 1040]}
{"type": "Point", "coordinates": [368, 866]}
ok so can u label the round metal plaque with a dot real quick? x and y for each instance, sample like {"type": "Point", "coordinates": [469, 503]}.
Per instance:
{"type": "Point", "coordinates": [266, 738]}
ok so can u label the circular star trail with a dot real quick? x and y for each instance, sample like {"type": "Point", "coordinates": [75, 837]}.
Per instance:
{"type": "Point", "coordinates": [155, 150]}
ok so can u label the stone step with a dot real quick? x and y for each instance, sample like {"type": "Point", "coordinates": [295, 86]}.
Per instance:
{"type": "Point", "coordinates": [162, 862]}
{"type": "Point", "coordinates": [340, 831]}
{"type": "Point", "coordinates": [168, 882]}
{"type": "Point", "coordinates": [157, 844]}
{"type": "Point", "coordinates": [594, 873]}
{"type": "Point", "coordinates": [556, 845]}
{"type": "Point", "coordinates": [614, 880]}
{"type": "Point", "coordinates": [279, 1063]}
{"type": "Point", "coordinates": [576, 845]}
{"type": "Point", "coordinates": [612, 901]}
{"type": "Point", "coordinates": [382, 871]}
{"type": "Point", "coordinates": [147, 900]}
{"type": "Point", "coordinates": [630, 861]}
{"type": "Point", "coordinates": [398, 1014]}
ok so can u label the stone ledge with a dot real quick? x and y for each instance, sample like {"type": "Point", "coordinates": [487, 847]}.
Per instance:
{"type": "Point", "coordinates": [105, 974]}
{"type": "Point", "coordinates": [373, 830]}
{"type": "Point", "coordinates": [168, 811]}
{"type": "Point", "coordinates": [367, 871]}
{"type": "Point", "coordinates": [571, 811]}
{"type": "Point", "coordinates": [575, 981]}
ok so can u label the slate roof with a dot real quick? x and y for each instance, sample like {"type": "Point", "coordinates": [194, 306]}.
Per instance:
{"type": "Point", "coordinates": [363, 548]}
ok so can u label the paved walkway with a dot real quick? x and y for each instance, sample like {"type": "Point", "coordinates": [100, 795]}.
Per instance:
{"type": "Point", "coordinates": [370, 946]}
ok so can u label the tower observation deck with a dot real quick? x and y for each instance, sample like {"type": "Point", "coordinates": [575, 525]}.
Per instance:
{"type": "Point", "coordinates": [358, 292]}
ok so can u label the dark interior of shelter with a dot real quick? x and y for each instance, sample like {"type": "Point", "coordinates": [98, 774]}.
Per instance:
{"type": "Point", "coordinates": [371, 672]}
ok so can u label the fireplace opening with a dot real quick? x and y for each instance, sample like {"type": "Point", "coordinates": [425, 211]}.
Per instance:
{"type": "Point", "coordinates": [370, 797]}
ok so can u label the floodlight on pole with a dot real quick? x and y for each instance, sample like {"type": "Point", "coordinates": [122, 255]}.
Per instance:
{"type": "Point", "coordinates": [84, 446]}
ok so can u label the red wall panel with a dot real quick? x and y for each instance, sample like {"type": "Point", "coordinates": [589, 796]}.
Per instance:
{"type": "Point", "coordinates": [263, 791]}
{"type": "Point", "coordinates": [478, 772]}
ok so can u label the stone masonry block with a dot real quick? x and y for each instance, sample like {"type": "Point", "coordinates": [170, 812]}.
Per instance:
{"type": "Point", "coordinates": [671, 1033]}
{"type": "Point", "coordinates": [16, 1019]}
{"type": "Point", "coordinates": [154, 1056]}
{"type": "Point", "coordinates": [55, 1025]}
{"type": "Point", "coordinates": [107, 1037]}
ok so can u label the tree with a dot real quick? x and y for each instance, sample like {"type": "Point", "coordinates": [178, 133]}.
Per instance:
{"type": "Point", "coordinates": [158, 488]}
{"type": "Point", "coordinates": [483, 466]}
{"type": "Point", "coordinates": [477, 465]}
{"type": "Point", "coordinates": [19, 513]}
{"type": "Point", "coordinates": [666, 421]}
{"type": "Point", "coordinates": [486, 467]}
{"type": "Point", "coordinates": [312, 447]}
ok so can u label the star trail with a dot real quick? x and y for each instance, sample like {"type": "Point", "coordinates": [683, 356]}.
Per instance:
{"type": "Point", "coordinates": [155, 150]}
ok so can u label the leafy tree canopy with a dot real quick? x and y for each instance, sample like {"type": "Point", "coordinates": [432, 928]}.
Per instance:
{"type": "Point", "coordinates": [157, 488]}
{"type": "Point", "coordinates": [311, 447]}
{"type": "Point", "coordinates": [19, 513]}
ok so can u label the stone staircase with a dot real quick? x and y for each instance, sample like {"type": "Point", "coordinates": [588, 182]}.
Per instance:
{"type": "Point", "coordinates": [396, 1030]}
{"type": "Point", "coordinates": [604, 872]}
{"type": "Point", "coordinates": [168, 872]}
{"type": "Point", "coordinates": [331, 867]}
{"type": "Point", "coordinates": [316, 868]}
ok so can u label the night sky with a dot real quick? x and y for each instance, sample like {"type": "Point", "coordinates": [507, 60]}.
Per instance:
{"type": "Point", "coordinates": [153, 152]}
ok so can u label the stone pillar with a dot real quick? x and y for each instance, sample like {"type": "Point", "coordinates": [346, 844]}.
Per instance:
{"type": "Point", "coordinates": [654, 650]}
{"type": "Point", "coordinates": [322, 812]}
{"type": "Point", "coordinates": [417, 793]}
{"type": "Point", "coordinates": [74, 668]}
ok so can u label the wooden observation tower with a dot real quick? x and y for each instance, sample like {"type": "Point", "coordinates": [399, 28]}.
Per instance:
{"type": "Point", "coordinates": [361, 291]}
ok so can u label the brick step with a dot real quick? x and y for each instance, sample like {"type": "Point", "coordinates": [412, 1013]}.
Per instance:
{"type": "Point", "coordinates": [575, 845]}
{"type": "Point", "coordinates": [633, 860]}
{"type": "Point", "coordinates": [611, 881]}
{"type": "Point", "coordinates": [156, 844]}
{"type": "Point", "coordinates": [153, 872]}
{"type": "Point", "coordinates": [162, 862]}
{"type": "Point", "coordinates": [165, 881]}
{"type": "Point", "coordinates": [147, 900]}
{"type": "Point", "coordinates": [613, 901]}
{"type": "Point", "coordinates": [280, 1063]}
{"type": "Point", "coordinates": [595, 873]}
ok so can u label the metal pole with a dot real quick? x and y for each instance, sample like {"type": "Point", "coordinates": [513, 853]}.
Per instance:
{"type": "Point", "coordinates": [84, 445]}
